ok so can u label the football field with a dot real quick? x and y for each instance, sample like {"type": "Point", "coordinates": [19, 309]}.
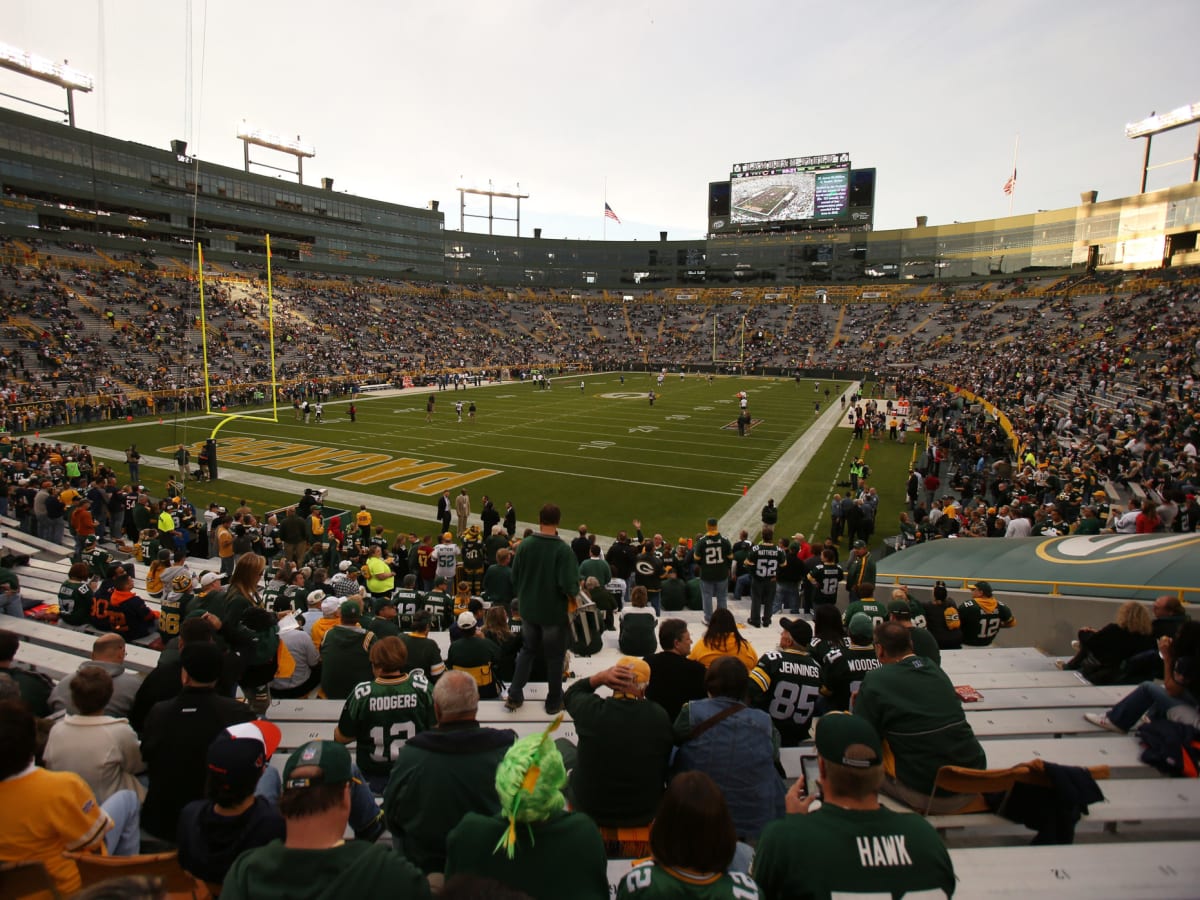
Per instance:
{"type": "Point", "coordinates": [603, 453]}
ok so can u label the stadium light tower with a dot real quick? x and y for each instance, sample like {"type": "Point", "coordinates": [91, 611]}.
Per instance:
{"type": "Point", "coordinates": [463, 215]}
{"type": "Point", "coordinates": [47, 70]}
{"type": "Point", "coordinates": [249, 134]}
{"type": "Point", "coordinates": [1155, 124]}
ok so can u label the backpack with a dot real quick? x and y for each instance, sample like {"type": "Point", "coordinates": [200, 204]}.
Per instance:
{"type": "Point", "coordinates": [1171, 747]}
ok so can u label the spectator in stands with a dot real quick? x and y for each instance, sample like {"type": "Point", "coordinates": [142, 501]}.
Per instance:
{"type": "Point", "coordinates": [546, 577]}
{"type": "Point", "coordinates": [547, 852]}
{"type": "Point", "coordinates": [57, 810]}
{"type": "Point", "coordinates": [108, 655]}
{"type": "Point", "coordinates": [306, 674]}
{"type": "Point", "coordinates": [695, 850]}
{"type": "Point", "coordinates": [384, 712]}
{"type": "Point", "coordinates": [475, 654]}
{"type": "Point", "coordinates": [313, 859]}
{"type": "Point", "coordinates": [1176, 698]}
{"type": "Point", "coordinates": [982, 616]}
{"type": "Point", "coordinates": [941, 617]}
{"type": "Point", "coordinates": [638, 621]}
{"type": "Point", "coordinates": [1101, 654]}
{"type": "Point", "coordinates": [844, 840]}
{"type": "Point", "coordinates": [444, 773]}
{"type": "Point", "coordinates": [912, 705]}
{"type": "Point", "coordinates": [674, 678]}
{"type": "Point", "coordinates": [176, 737]}
{"type": "Point", "coordinates": [1169, 614]}
{"type": "Point", "coordinates": [859, 571]}
{"type": "Point", "coordinates": [424, 653]}
{"type": "Point", "coordinates": [233, 816]}
{"type": "Point", "coordinates": [345, 652]}
{"type": "Point", "coordinates": [166, 680]}
{"type": "Point", "coordinates": [924, 643]}
{"type": "Point", "coordinates": [627, 795]}
{"type": "Point", "coordinates": [738, 747]}
{"type": "Point", "coordinates": [722, 638]}
{"type": "Point", "coordinates": [75, 596]}
{"type": "Point", "coordinates": [102, 749]}
{"type": "Point", "coordinates": [35, 686]}
{"type": "Point", "coordinates": [125, 612]}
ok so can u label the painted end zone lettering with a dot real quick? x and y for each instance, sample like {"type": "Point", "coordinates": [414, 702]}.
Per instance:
{"type": "Point", "coordinates": [425, 478]}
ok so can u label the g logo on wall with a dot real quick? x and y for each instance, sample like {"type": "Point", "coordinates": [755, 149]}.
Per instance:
{"type": "Point", "coordinates": [1106, 548]}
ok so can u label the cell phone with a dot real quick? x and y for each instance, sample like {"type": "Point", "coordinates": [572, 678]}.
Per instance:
{"type": "Point", "coordinates": [812, 778]}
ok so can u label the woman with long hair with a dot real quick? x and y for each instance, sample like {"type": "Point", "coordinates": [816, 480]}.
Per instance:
{"type": "Point", "coordinates": [828, 631]}
{"type": "Point", "coordinates": [722, 638]}
{"type": "Point", "coordinates": [250, 630]}
{"type": "Point", "coordinates": [1101, 654]}
{"type": "Point", "coordinates": [693, 843]}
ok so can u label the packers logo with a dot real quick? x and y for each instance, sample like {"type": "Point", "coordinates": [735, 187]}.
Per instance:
{"type": "Point", "coordinates": [1077, 550]}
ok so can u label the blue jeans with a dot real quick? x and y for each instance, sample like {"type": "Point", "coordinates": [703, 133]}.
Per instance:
{"type": "Point", "coordinates": [787, 594]}
{"type": "Point", "coordinates": [124, 839]}
{"type": "Point", "coordinates": [11, 605]}
{"type": "Point", "coordinates": [1147, 699]}
{"type": "Point", "coordinates": [762, 600]}
{"type": "Point", "coordinates": [713, 590]}
{"type": "Point", "coordinates": [549, 640]}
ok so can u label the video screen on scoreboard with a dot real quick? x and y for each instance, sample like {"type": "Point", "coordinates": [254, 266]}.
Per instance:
{"type": "Point", "coordinates": [790, 190]}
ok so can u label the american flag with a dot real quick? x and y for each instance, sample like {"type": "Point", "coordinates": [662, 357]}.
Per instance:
{"type": "Point", "coordinates": [609, 214]}
{"type": "Point", "coordinates": [1011, 184]}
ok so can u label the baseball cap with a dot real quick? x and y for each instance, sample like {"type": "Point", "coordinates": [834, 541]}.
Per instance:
{"type": "Point", "coordinates": [447, 536]}
{"type": "Point", "coordinates": [89, 540]}
{"type": "Point", "coordinates": [983, 586]}
{"type": "Point", "coordinates": [348, 606]}
{"type": "Point", "coordinates": [164, 555]}
{"type": "Point", "coordinates": [466, 621]}
{"type": "Point", "coordinates": [860, 545]}
{"type": "Point", "coordinates": [238, 755]}
{"type": "Point", "coordinates": [800, 630]}
{"type": "Point", "coordinates": [838, 733]}
{"type": "Point", "coordinates": [209, 577]}
{"type": "Point", "coordinates": [900, 608]}
{"type": "Point", "coordinates": [861, 628]}
{"type": "Point", "coordinates": [641, 668]}
{"type": "Point", "coordinates": [202, 662]}
{"type": "Point", "coordinates": [344, 565]}
{"type": "Point", "coordinates": [330, 605]}
{"type": "Point", "coordinates": [331, 759]}
{"type": "Point", "coordinates": [182, 582]}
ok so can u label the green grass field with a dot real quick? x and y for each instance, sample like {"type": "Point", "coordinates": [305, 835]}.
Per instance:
{"type": "Point", "coordinates": [603, 454]}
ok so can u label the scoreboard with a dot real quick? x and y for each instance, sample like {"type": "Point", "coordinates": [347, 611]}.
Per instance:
{"type": "Point", "coordinates": [793, 192]}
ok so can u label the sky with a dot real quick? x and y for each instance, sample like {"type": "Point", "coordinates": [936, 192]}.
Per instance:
{"type": "Point", "coordinates": [642, 103]}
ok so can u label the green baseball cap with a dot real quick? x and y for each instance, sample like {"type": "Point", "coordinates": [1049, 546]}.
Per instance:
{"type": "Point", "coordinates": [839, 732]}
{"type": "Point", "coordinates": [329, 757]}
{"type": "Point", "coordinates": [861, 628]}
{"type": "Point", "coordinates": [900, 608]}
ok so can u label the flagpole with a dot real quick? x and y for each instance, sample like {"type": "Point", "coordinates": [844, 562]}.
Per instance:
{"type": "Point", "coordinates": [1012, 194]}
{"type": "Point", "coordinates": [604, 224]}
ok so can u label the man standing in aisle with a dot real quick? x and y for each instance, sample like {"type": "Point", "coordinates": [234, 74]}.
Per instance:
{"type": "Point", "coordinates": [546, 577]}
{"type": "Point", "coordinates": [713, 553]}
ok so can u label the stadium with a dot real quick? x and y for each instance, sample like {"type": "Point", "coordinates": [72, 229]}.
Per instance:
{"type": "Point", "coordinates": [1008, 402]}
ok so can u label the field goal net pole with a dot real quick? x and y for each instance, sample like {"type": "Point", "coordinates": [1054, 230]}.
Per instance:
{"type": "Point", "coordinates": [741, 358]}
{"type": "Point", "coordinates": [229, 417]}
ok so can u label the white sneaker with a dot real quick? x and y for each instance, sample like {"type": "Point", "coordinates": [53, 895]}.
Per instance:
{"type": "Point", "coordinates": [1101, 721]}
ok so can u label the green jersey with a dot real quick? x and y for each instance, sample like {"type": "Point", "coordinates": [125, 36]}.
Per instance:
{"type": "Point", "coordinates": [764, 561]}
{"type": "Point", "coordinates": [825, 578]}
{"type": "Point", "coordinates": [350, 869]}
{"type": "Point", "coordinates": [878, 852]}
{"type": "Point", "coordinates": [172, 611]}
{"type": "Point", "coordinates": [876, 611]}
{"type": "Point", "coordinates": [75, 602]}
{"type": "Point", "coordinates": [787, 684]}
{"type": "Point", "coordinates": [408, 601]}
{"type": "Point", "coordinates": [498, 586]}
{"type": "Point", "coordinates": [441, 608]}
{"type": "Point", "coordinates": [345, 660]}
{"type": "Point", "coordinates": [473, 555]}
{"type": "Point", "coordinates": [914, 709]}
{"type": "Point", "coordinates": [546, 575]}
{"type": "Point", "coordinates": [714, 554]}
{"type": "Point", "coordinates": [382, 714]}
{"type": "Point", "coordinates": [981, 620]}
{"type": "Point", "coordinates": [98, 562]}
{"type": "Point", "coordinates": [424, 655]}
{"type": "Point", "coordinates": [651, 880]}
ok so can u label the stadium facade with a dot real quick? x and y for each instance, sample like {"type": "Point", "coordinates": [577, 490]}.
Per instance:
{"type": "Point", "coordinates": [69, 185]}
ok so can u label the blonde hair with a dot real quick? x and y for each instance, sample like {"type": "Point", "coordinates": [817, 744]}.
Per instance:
{"type": "Point", "coordinates": [1134, 618]}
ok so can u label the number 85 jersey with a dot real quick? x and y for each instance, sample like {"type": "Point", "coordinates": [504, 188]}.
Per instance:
{"type": "Point", "coordinates": [787, 684]}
